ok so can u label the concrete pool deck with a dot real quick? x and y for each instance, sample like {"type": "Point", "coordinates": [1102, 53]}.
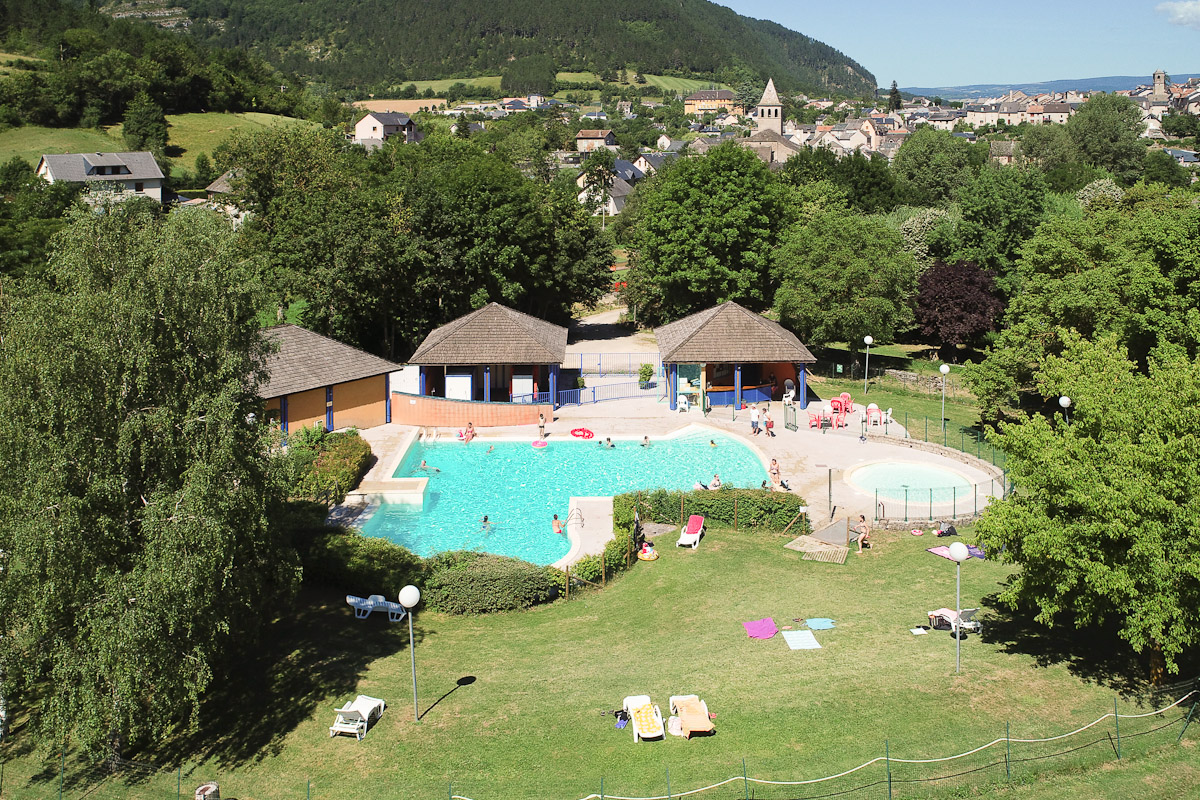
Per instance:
{"type": "Point", "coordinates": [813, 462]}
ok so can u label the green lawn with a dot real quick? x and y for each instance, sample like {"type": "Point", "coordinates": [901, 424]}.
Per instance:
{"type": "Point", "coordinates": [511, 702]}
{"type": "Point", "coordinates": [684, 86]}
{"type": "Point", "coordinates": [30, 142]}
{"type": "Point", "coordinates": [188, 135]}
{"type": "Point", "coordinates": [442, 84]}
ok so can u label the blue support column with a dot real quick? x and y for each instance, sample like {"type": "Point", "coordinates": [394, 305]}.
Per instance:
{"type": "Point", "coordinates": [387, 397]}
{"type": "Point", "coordinates": [554, 385]}
{"type": "Point", "coordinates": [802, 379]}
{"type": "Point", "coordinates": [487, 384]}
{"type": "Point", "coordinates": [283, 417]}
{"type": "Point", "coordinates": [421, 381]}
{"type": "Point", "coordinates": [328, 408]}
{"type": "Point", "coordinates": [673, 387]}
{"type": "Point", "coordinates": [737, 386]}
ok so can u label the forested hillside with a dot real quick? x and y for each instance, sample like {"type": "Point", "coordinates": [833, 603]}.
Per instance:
{"type": "Point", "coordinates": [79, 67]}
{"type": "Point", "coordinates": [363, 43]}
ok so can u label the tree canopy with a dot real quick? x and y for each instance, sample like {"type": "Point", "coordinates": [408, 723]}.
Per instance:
{"type": "Point", "coordinates": [1105, 132]}
{"type": "Point", "coordinates": [843, 276]}
{"type": "Point", "coordinates": [703, 234]}
{"type": "Point", "coordinates": [932, 166]}
{"type": "Point", "coordinates": [138, 551]}
{"type": "Point", "coordinates": [1105, 518]}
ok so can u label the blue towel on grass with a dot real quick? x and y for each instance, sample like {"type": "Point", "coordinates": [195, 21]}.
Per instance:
{"type": "Point", "coordinates": [820, 623]}
{"type": "Point", "coordinates": [801, 640]}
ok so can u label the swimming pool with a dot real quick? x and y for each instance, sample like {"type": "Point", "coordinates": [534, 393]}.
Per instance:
{"type": "Point", "coordinates": [897, 481]}
{"type": "Point", "coordinates": [520, 488]}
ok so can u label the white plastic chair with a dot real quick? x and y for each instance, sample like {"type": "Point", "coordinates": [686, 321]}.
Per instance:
{"type": "Point", "coordinates": [683, 403]}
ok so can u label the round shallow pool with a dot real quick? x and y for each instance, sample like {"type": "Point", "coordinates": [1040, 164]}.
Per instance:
{"type": "Point", "coordinates": [520, 488]}
{"type": "Point", "coordinates": [898, 481]}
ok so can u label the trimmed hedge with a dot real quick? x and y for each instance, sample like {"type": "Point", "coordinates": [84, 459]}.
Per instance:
{"type": "Point", "coordinates": [466, 582]}
{"type": "Point", "coordinates": [357, 564]}
{"type": "Point", "coordinates": [328, 463]}
{"type": "Point", "coordinates": [756, 508]}
{"type": "Point", "coordinates": [617, 556]}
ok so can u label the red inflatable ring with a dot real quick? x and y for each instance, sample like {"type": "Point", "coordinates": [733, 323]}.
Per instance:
{"type": "Point", "coordinates": [582, 433]}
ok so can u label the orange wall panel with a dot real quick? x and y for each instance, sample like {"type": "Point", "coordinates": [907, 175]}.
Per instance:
{"type": "Point", "coordinates": [361, 403]}
{"type": "Point", "coordinates": [306, 409]}
{"type": "Point", "coordinates": [411, 409]}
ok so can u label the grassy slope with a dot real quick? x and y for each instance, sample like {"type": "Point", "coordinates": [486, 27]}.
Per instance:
{"type": "Point", "coordinates": [188, 136]}
{"type": "Point", "coordinates": [528, 724]}
{"type": "Point", "coordinates": [684, 86]}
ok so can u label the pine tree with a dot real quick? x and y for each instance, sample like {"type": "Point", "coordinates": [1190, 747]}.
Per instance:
{"type": "Point", "coordinates": [894, 98]}
{"type": "Point", "coordinates": [145, 125]}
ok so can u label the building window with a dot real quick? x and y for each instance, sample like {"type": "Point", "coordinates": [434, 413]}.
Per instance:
{"type": "Point", "coordinates": [139, 186]}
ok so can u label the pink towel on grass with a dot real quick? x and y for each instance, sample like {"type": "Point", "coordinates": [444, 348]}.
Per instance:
{"type": "Point", "coordinates": [760, 628]}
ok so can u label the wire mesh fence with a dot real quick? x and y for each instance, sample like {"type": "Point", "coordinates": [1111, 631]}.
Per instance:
{"type": "Point", "coordinates": [895, 770]}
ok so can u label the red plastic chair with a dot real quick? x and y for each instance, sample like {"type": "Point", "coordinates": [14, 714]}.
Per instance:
{"type": "Point", "coordinates": [814, 420]}
{"type": "Point", "coordinates": [836, 404]}
{"type": "Point", "coordinates": [847, 403]}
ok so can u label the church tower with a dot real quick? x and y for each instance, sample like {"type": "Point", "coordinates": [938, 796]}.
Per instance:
{"type": "Point", "coordinates": [770, 111]}
{"type": "Point", "coordinates": [1159, 95]}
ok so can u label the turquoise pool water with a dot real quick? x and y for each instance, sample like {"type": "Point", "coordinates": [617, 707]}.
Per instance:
{"type": "Point", "coordinates": [891, 479]}
{"type": "Point", "coordinates": [520, 488]}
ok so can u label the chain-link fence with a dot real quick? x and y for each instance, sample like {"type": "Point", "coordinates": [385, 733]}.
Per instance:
{"type": "Point", "coordinates": [894, 770]}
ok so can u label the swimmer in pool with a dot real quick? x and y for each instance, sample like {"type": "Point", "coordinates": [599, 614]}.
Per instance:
{"type": "Point", "coordinates": [557, 526]}
{"type": "Point", "coordinates": [426, 466]}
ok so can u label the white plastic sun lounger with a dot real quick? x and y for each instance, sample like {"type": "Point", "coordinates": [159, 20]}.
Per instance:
{"type": "Point", "coordinates": [376, 602]}
{"type": "Point", "coordinates": [354, 718]}
{"type": "Point", "coordinates": [644, 717]}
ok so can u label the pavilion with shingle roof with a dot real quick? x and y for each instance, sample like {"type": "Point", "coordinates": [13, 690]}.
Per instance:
{"type": "Point", "coordinates": [743, 356]}
{"type": "Point", "coordinates": [493, 353]}
{"type": "Point", "coordinates": [315, 380]}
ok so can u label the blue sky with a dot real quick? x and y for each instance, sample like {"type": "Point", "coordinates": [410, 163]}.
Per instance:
{"type": "Point", "coordinates": [941, 43]}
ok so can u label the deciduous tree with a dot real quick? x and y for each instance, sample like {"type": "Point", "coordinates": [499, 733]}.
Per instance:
{"type": "Point", "coordinates": [932, 166]}
{"type": "Point", "coordinates": [842, 276]}
{"type": "Point", "coordinates": [1104, 518]}
{"type": "Point", "coordinates": [138, 548]}
{"type": "Point", "coordinates": [704, 233]}
{"type": "Point", "coordinates": [1105, 132]}
{"type": "Point", "coordinates": [956, 304]}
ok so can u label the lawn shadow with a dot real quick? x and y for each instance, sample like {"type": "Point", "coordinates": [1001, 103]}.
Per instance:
{"type": "Point", "coordinates": [597, 331]}
{"type": "Point", "coordinates": [465, 680]}
{"type": "Point", "coordinates": [1095, 654]}
{"type": "Point", "coordinates": [316, 651]}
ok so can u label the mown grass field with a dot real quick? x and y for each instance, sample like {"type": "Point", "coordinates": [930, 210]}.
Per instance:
{"type": "Point", "coordinates": [4, 57]}
{"type": "Point", "coordinates": [31, 141]}
{"type": "Point", "coordinates": [510, 703]}
{"type": "Point", "coordinates": [442, 84]}
{"type": "Point", "coordinates": [188, 135]}
{"type": "Point", "coordinates": [684, 86]}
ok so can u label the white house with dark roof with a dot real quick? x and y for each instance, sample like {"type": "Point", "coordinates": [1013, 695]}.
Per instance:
{"type": "Point", "coordinates": [378, 126]}
{"type": "Point", "coordinates": [123, 174]}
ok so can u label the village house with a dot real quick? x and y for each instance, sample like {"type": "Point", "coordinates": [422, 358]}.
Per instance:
{"type": "Point", "coordinates": [708, 100]}
{"type": "Point", "coordinates": [378, 126]}
{"type": "Point", "coordinates": [587, 141]}
{"type": "Point", "coordinates": [120, 174]}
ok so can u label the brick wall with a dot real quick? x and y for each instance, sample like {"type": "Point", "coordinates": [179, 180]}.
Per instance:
{"type": "Point", "coordinates": [439, 412]}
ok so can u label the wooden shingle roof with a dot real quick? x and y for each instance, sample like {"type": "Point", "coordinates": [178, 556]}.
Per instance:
{"type": "Point", "coordinates": [729, 334]}
{"type": "Point", "coordinates": [494, 334]}
{"type": "Point", "coordinates": [307, 360]}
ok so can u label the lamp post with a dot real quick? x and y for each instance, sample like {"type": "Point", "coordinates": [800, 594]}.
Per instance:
{"type": "Point", "coordinates": [867, 340]}
{"type": "Point", "coordinates": [409, 597]}
{"type": "Point", "coordinates": [958, 554]}
{"type": "Point", "coordinates": [945, 370]}
{"type": "Point", "coordinates": [1065, 402]}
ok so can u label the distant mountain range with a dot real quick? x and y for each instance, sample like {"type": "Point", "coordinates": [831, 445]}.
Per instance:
{"type": "Point", "coordinates": [371, 42]}
{"type": "Point", "coordinates": [977, 90]}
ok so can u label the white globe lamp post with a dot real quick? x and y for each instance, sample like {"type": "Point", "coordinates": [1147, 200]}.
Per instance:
{"type": "Point", "coordinates": [1065, 403]}
{"type": "Point", "coordinates": [868, 341]}
{"type": "Point", "coordinates": [958, 554]}
{"type": "Point", "coordinates": [409, 597]}
{"type": "Point", "coordinates": [945, 370]}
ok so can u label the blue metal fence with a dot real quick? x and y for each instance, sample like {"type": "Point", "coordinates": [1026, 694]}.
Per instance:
{"type": "Point", "coordinates": [612, 391]}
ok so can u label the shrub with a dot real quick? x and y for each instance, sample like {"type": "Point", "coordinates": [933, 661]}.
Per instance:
{"type": "Point", "coordinates": [465, 582]}
{"type": "Point", "coordinates": [645, 373]}
{"type": "Point", "coordinates": [357, 564]}
{"type": "Point", "coordinates": [329, 464]}
{"type": "Point", "coordinates": [756, 508]}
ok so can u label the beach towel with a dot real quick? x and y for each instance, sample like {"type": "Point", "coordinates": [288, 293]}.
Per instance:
{"type": "Point", "coordinates": [760, 628]}
{"type": "Point", "coordinates": [692, 717]}
{"type": "Point", "coordinates": [820, 623]}
{"type": "Point", "coordinates": [918, 631]}
{"type": "Point", "coordinates": [646, 723]}
{"type": "Point", "coordinates": [801, 640]}
{"type": "Point", "coordinates": [944, 551]}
